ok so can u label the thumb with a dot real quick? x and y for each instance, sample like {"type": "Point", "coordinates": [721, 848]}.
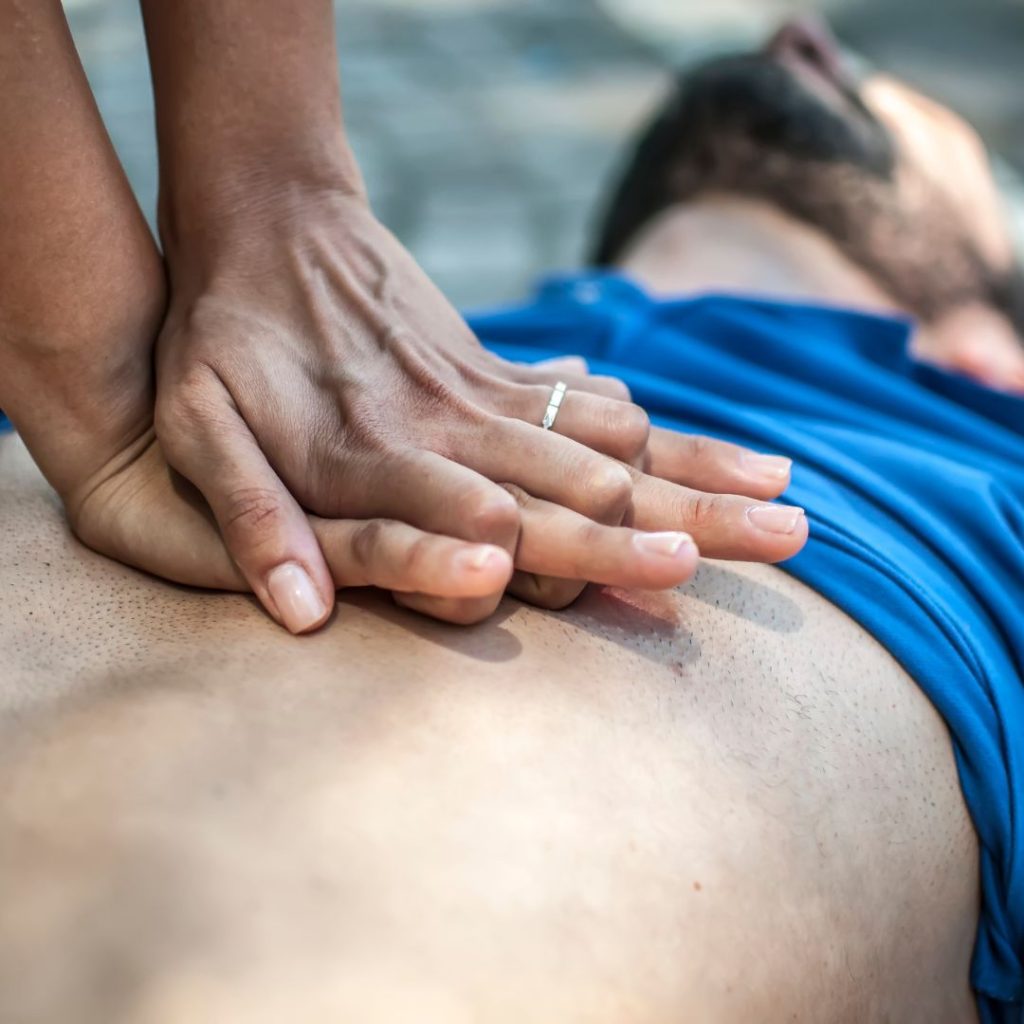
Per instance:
{"type": "Point", "coordinates": [263, 527]}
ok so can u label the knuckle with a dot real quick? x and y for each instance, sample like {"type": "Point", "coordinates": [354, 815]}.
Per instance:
{"type": "Point", "coordinates": [193, 388]}
{"type": "Point", "coordinates": [637, 420]}
{"type": "Point", "coordinates": [556, 594]}
{"type": "Point", "coordinates": [592, 537]}
{"type": "Point", "coordinates": [500, 401]}
{"type": "Point", "coordinates": [366, 542]}
{"type": "Point", "coordinates": [490, 513]}
{"type": "Point", "coordinates": [436, 389]}
{"type": "Point", "coordinates": [611, 489]}
{"type": "Point", "coordinates": [190, 401]}
{"type": "Point", "coordinates": [631, 427]}
{"type": "Point", "coordinates": [578, 554]}
{"type": "Point", "coordinates": [417, 556]}
{"type": "Point", "coordinates": [701, 448]}
{"type": "Point", "coordinates": [358, 430]}
{"type": "Point", "coordinates": [252, 510]}
{"type": "Point", "coordinates": [704, 511]}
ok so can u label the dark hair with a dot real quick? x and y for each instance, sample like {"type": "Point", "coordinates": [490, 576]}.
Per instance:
{"type": "Point", "coordinates": [750, 97]}
{"type": "Point", "coordinates": [748, 125]}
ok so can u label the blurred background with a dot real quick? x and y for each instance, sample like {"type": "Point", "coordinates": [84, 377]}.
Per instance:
{"type": "Point", "coordinates": [486, 129]}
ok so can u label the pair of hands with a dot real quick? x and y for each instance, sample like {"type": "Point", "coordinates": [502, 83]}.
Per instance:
{"type": "Point", "coordinates": [324, 418]}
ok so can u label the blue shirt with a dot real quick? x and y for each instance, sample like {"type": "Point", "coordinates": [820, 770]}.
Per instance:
{"type": "Point", "coordinates": [913, 480]}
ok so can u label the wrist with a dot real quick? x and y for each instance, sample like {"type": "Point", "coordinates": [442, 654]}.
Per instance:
{"type": "Point", "coordinates": [199, 213]}
{"type": "Point", "coordinates": [80, 394]}
{"type": "Point", "coordinates": [248, 100]}
{"type": "Point", "coordinates": [253, 223]}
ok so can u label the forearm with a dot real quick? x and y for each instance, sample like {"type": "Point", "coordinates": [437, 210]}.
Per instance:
{"type": "Point", "coordinates": [248, 106]}
{"type": "Point", "coordinates": [80, 278]}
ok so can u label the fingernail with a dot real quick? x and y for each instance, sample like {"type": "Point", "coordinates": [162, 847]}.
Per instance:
{"type": "Point", "coordinates": [775, 518]}
{"type": "Point", "coordinates": [298, 601]}
{"type": "Point", "coordinates": [769, 467]}
{"type": "Point", "coordinates": [481, 557]}
{"type": "Point", "coordinates": [665, 545]}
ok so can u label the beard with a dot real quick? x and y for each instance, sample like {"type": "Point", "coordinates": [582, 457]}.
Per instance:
{"type": "Point", "coordinates": [747, 126]}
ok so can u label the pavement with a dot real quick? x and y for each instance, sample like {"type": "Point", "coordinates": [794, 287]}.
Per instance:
{"type": "Point", "coordinates": [486, 129]}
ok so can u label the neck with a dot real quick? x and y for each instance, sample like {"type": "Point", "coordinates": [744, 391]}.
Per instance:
{"type": "Point", "coordinates": [725, 243]}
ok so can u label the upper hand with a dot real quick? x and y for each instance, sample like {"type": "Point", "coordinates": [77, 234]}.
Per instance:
{"type": "Point", "coordinates": [308, 363]}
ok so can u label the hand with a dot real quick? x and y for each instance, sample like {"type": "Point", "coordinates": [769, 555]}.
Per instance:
{"type": "Point", "coordinates": [701, 483]}
{"type": "Point", "coordinates": [123, 500]}
{"type": "Point", "coordinates": [308, 363]}
{"type": "Point", "coordinates": [136, 509]}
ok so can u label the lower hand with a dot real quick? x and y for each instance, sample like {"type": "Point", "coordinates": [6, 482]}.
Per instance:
{"type": "Point", "coordinates": [136, 509]}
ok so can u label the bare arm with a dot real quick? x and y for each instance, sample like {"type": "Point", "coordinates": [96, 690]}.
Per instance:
{"type": "Point", "coordinates": [248, 106]}
{"type": "Point", "coordinates": [308, 363]}
{"type": "Point", "coordinates": [80, 278]}
{"type": "Point", "coordinates": [82, 295]}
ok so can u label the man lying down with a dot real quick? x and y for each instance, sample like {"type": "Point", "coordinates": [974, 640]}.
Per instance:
{"type": "Point", "coordinates": [775, 176]}
{"type": "Point", "coordinates": [735, 802]}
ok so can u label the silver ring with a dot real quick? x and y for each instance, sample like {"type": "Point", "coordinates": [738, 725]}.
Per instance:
{"type": "Point", "coordinates": [554, 403]}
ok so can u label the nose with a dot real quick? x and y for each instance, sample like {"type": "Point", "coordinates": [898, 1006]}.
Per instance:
{"type": "Point", "coordinates": [808, 40]}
